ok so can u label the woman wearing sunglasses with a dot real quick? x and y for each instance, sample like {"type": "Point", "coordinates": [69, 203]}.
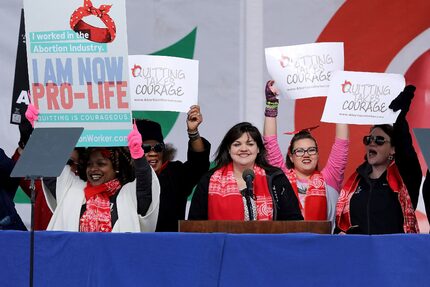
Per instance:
{"type": "Point", "coordinates": [376, 198]}
{"type": "Point", "coordinates": [223, 194]}
{"type": "Point", "coordinates": [316, 190]}
{"type": "Point", "coordinates": [177, 179]}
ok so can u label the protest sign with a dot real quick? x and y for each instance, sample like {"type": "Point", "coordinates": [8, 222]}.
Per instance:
{"type": "Point", "coordinates": [160, 83]}
{"type": "Point", "coordinates": [77, 61]}
{"type": "Point", "coordinates": [304, 71]}
{"type": "Point", "coordinates": [362, 98]}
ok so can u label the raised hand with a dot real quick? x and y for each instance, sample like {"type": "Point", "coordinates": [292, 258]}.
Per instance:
{"type": "Point", "coordinates": [194, 119]}
{"type": "Point", "coordinates": [271, 92]}
{"type": "Point", "coordinates": [32, 114]}
{"type": "Point", "coordinates": [272, 100]}
{"type": "Point", "coordinates": [135, 143]}
{"type": "Point", "coordinates": [403, 100]}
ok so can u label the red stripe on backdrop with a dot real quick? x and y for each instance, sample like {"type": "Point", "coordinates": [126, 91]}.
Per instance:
{"type": "Point", "coordinates": [373, 33]}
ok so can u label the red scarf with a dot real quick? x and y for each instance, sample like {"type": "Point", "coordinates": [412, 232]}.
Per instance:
{"type": "Point", "coordinates": [225, 200]}
{"type": "Point", "coordinates": [343, 219]}
{"type": "Point", "coordinates": [97, 214]}
{"type": "Point", "coordinates": [315, 201]}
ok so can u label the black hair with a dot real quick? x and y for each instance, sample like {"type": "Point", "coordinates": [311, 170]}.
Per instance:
{"type": "Point", "coordinates": [304, 134]}
{"type": "Point", "coordinates": [82, 165]}
{"type": "Point", "coordinates": [121, 160]}
{"type": "Point", "coordinates": [388, 129]}
{"type": "Point", "coordinates": [222, 155]}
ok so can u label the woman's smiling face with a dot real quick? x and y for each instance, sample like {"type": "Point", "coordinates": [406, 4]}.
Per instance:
{"type": "Point", "coordinates": [99, 169]}
{"type": "Point", "coordinates": [305, 164]}
{"type": "Point", "coordinates": [244, 150]}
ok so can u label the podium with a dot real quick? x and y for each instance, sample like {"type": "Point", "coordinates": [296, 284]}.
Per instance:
{"type": "Point", "coordinates": [235, 226]}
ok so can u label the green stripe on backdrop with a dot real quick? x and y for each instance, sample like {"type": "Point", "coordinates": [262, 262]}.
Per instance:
{"type": "Point", "coordinates": [21, 197]}
{"type": "Point", "coordinates": [211, 166]}
{"type": "Point", "coordinates": [184, 48]}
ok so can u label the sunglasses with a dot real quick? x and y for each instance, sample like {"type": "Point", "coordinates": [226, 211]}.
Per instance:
{"type": "Point", "coordinates": [379, 140]}
{"type": "Point", "coordinates": [301, 152]}
{"type": "Point", "coordinates": [159, 147]}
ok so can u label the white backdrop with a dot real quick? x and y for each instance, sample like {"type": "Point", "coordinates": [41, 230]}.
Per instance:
{"type": "Point", "coordinates": [231, 37]}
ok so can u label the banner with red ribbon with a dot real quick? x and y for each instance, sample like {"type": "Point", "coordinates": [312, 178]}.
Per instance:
{"type": "Point", "coordinates": [78, 67]}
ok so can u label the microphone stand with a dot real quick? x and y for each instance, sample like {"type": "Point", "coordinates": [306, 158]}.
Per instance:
{"type": "Point", "coordinates": [248, 194]}
{"type": "Point", "coordinates": [33, 200]}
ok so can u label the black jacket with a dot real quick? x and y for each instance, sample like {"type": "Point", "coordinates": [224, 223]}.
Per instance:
{"type": "Point", "coordinates": [9, 218]}
{"type": "Point", "coordinates": [374, 207]}
{"type": "Point", "coordinates": [407, 159]}
{"type": "Point", "coordinates": [285, 203]}
{"type": "Point", "coordinates": [378, 210]}
{"type": "Point", "coordinates": [177, 181]}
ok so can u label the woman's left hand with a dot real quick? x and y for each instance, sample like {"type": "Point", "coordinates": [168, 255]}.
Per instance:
{"type": "Point", "coordinates": [194, 118]}
{"type": "Point", "coordinates": [135, 143]}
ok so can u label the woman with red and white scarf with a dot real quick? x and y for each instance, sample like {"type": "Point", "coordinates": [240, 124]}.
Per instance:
{"type": "Point", "coordinates": [316, 190]}
{"type": "Point", "coordinates": [119, 195]}
{"type": "Point", "coordinates": [380, 197]}
{"type": "Point", "coordinates": [113, 193]}
{"type": "Point", "coordinates": [223, 194]}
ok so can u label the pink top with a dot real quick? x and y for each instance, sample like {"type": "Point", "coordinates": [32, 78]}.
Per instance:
{"type": "Point", "coordinates": [333, 172]}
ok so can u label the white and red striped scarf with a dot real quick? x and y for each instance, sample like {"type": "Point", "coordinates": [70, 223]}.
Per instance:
{"type": "Point", "coordinates": [97, 217]}
{"type": "Point", "coordinates": [225, 200]}
{"type": "Point", "coordinates": [343, 219]}
{"type": "Point", "coordinates": [315, 201]}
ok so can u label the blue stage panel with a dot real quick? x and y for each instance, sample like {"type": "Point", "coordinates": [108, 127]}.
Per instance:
{"type": "Point", "coordinates": [190, 259]}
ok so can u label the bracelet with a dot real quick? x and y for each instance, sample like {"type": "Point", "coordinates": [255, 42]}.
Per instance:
{"type": "Point", "coordinates": [271, 109]}
{"type": "Point", "coordinates": [194, 135]}
{"type": "Point", "coordinates": [272, 104]}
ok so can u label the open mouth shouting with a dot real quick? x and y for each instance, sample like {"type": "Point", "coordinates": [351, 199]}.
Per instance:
{"type": "Point", "coordinates": [371, 153]}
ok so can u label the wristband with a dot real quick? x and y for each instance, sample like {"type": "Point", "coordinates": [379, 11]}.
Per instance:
{"type": "Point", "coordinates": [193, 136]}
{"type": "Point", "coordinates": [271, 109]}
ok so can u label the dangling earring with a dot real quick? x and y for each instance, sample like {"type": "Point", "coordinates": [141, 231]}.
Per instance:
{"type": "Point", "coordinates": [116, 171]}
{"type": "Point", "coordinates": [390, 157]}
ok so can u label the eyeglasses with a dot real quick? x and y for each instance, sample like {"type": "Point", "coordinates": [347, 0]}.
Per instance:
{"type": "Point", "coordinates": [379, 140]}
{"type": "Point", "coordinates": [301, 151]}
{"type": "Point", "coordinates": [159, 147]}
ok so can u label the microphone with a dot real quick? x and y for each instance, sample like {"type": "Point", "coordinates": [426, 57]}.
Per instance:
{"type": "Point", "coordinates": [248, 176]}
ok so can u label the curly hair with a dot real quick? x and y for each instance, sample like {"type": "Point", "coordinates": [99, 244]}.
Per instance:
{"type": "Point", "coordinates": [121, 160]}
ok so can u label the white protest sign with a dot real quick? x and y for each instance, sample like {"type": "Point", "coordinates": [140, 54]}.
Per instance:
{"type": "Point", "coordinates": [77, 62]}
{"type": "Point", "coordinates": [304, 71]}
{"type": "Point", "coordinates": [161, 83]}
{"type": "Point", "coordinates": [362, 98]}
